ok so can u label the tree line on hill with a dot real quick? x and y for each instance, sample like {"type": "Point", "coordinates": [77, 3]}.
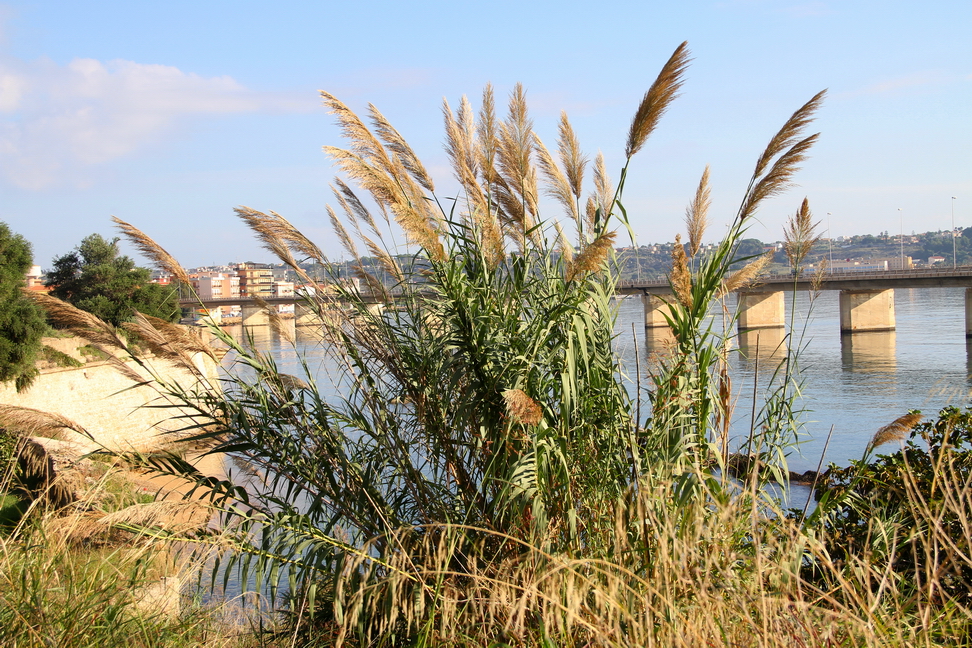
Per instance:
{"type": "Point", "coordinates": [94, 277]}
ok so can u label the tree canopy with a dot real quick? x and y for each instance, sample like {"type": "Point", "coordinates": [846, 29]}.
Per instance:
{"type": "Point", "coordinates": [97, 278]}
{"type": "Point", "coordinates": [21, 321]}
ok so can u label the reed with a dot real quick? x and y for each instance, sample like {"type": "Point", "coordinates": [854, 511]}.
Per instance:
{"type": "Point", "coordinates": [482, 477]}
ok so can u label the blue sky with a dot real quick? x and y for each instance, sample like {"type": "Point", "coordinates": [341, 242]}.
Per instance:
{"type": "Point", "coordinates": [168, 115]}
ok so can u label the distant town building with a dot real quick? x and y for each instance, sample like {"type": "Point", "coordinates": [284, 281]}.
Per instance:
{"type": "Point", "coordinates": [935, 259]}
{"type": "Point", "coordinates": [35, 279]}
{"type": "Point", "coordinates": [256, 280]}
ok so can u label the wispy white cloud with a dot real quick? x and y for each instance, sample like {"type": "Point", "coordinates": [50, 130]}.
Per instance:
{"type": "Point", "coordinates": [902, 83]}
{"type": "Point", "coordinates": [58, 122]}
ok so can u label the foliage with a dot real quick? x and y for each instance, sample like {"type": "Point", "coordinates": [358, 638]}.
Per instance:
{"type": "Point", "coordinates": [909, 510]}
{"type": "Point", "coordinates": [478, 475]}
{"type": "Point", "coordinates": [96, 278]}
{"type": "Point", "coordinates": [21, 322]}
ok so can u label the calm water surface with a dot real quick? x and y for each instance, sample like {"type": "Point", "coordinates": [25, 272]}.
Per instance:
{"type": "Point", "coordinates": [855, 383]}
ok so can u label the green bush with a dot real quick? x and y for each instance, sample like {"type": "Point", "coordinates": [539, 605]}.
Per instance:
{"type": "Point", "coordinates": [909, 511]}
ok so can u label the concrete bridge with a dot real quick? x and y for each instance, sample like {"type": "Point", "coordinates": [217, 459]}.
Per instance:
{"type": "Point", "coordinates": [253, 314]}
{"type": "Point", "coordinates": [866, 299]}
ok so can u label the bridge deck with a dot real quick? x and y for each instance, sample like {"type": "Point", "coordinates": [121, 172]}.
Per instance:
{"type": "Point", "coordinates": [930, 278]}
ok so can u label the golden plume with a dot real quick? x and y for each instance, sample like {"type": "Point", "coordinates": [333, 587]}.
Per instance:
{"type": "Point", "coordinates": [681, 276]}
{"type": "Point", "coordinates": [32, 422]}
{"type": "Point", "coordinates": [152, 250]}
{"type": "Point", "coordinates": [571, 158]}
{"type": "Point", "coordinates": [592, 257]}
{"type": "Point", "coordinates": [745, 275]}
{"type": "Point", "coordinates": [521, 408]}
{"type": "Point", "coordinates": [397, 145]}
{"type": "Point", "coordinates": [800, 236]}
{"type": "Point", "coordinates": [656, 101]}
{"type": "Point", "coordinates": [897, 430]}
{"type": "Point", "coordinates": [566, 249]}
{"type": "Point", "coordinates": [559, 187]}
{"type": "Point", "coordinates": [603, 190]}
{"type": "Point", "coordinates": [787, 164]}
{"type": "Point", "coordinates": [487, 131]}
{"type": "Point", "coordinates": [697, 213]}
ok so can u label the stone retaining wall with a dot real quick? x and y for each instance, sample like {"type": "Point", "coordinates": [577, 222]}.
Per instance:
{"type": "Point", "coordinates": [119, 415]}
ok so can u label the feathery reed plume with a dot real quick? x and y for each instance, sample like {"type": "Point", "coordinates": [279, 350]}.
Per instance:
{"type": "Point", "coordinates": [276, 231]}
{"type": "Point", "coordinates": [364, 144]}
{"type": "Point", "coordinates": [461, 145]}
{"type": "Point", "coordinates": [521, 408]}
{"type": "Point", "coordinates": [789, 134]}
{"type": "Point", "coordinates": [799, 236]}
{"type": "Point", "coordinates": [267, 231]}
{"type": "Point", "coordinates": [566, 249]}
{"type": "Point", "coordinates": [487, 131]}
{"type": "Point", "coordinates": [79, 322]}
{"type": "Point", "coordinates": [571, 157]}
{"type": "Point", "coordinates": [681, 277]}
{"type": "Point", "coordinates": [897, 430]}
{"type": "Point", "coordinates": [787, 164]}
{"type": "Point", "coordinates": [514, 156]}
{"type": "Point", "coordinates": [397, 145]}
{"type": "Point", "coordinates": [656, 101]}
{"type": "Point", "coordinates": [559, 186]}
{"type": "Point", "coordinates": [353, 206]}
{"type": "Point", "coordinates": [591, 258]}
{"type": "Point", "coordinates": [697, 213]}
{"type": "Point", "coordinates": [32, 422]}
{"type": "Point", "coordinates": [346, 242]}
{"type": "Point", "coordinates": [166, 342]}
{"type": "Point", "coordinates": [818, 277]}
{"type": "Point", "coordinates": [386, 260]}
{"type": "Point", "coordinates": [152, 250]}
{"type": "Point", "coordinates": [604, 192]}
{"type": "Point", "coordinates": [745, 275]}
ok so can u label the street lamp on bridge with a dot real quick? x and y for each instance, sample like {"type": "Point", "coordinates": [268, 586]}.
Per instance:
{"type": "Point", "coordinates": [954, 260]}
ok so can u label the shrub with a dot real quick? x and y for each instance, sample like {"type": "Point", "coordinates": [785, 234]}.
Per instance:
{"type": "Point", "coordinates": [909, 511]}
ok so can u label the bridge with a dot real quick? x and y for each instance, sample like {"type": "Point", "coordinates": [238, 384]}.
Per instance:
{"type": "Point", "coordinates": [866, 299]}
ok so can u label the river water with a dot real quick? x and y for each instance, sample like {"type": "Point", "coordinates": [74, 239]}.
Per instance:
{"type": "Point", "coordinates": [855, 383]}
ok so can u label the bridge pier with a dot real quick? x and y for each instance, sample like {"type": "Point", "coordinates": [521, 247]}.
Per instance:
{"type": "Point", "coordinates": [304, 315]}
{"type": "Point", "coordinates": [968, 312]}
{"type": "Point", "coordinates": [761, 310]}
{"type": "Point", "coordinates": [867, 310]}
{"type": "Point", "coordinates": [655, 309]}
{"type": "Point", "coordinates": [254, 316]}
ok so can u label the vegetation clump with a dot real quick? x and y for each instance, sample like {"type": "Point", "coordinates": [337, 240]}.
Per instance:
{"type": "Point", "coordinates": [98, 279]}
{"type": "Point", "coordinates": [481, 475]}
{"type": "Point", "coordinates": [21, 321]}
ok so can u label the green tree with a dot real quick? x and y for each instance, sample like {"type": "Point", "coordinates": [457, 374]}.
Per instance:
{"type": "Point", "coordinates": [95, 277]}
{"type": "Point", "coordinates": [21, 321]}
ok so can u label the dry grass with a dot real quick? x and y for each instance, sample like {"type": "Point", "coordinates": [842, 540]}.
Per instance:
{"type": "Point", "coordinates": [726, 575]}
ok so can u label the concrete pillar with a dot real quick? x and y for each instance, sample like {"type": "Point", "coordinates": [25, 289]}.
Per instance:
{"type": "Point", "coordinates": [655, 310]}
{"type": "Point", "coordinates": [866, 310]}
{"type": "Point", "coordinates": [254, 316]}
{"type": "Point", "coordinates": [761, 310]}
{"type": "Point", "coordinates": [304, 315]}
{"type": "Point", "coordinates": [968, 312]}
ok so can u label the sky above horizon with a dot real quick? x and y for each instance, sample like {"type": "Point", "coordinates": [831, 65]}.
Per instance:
{"type": "Point", "coordinates": [169, 115]}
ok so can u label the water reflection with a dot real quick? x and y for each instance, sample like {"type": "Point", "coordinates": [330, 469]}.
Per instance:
{"type": "Point", "coordinates": [768, 346]}
{"type": "Point", "coordinates": [659, 343]}
{"type": "Point", "coordinates": [872, 352]}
